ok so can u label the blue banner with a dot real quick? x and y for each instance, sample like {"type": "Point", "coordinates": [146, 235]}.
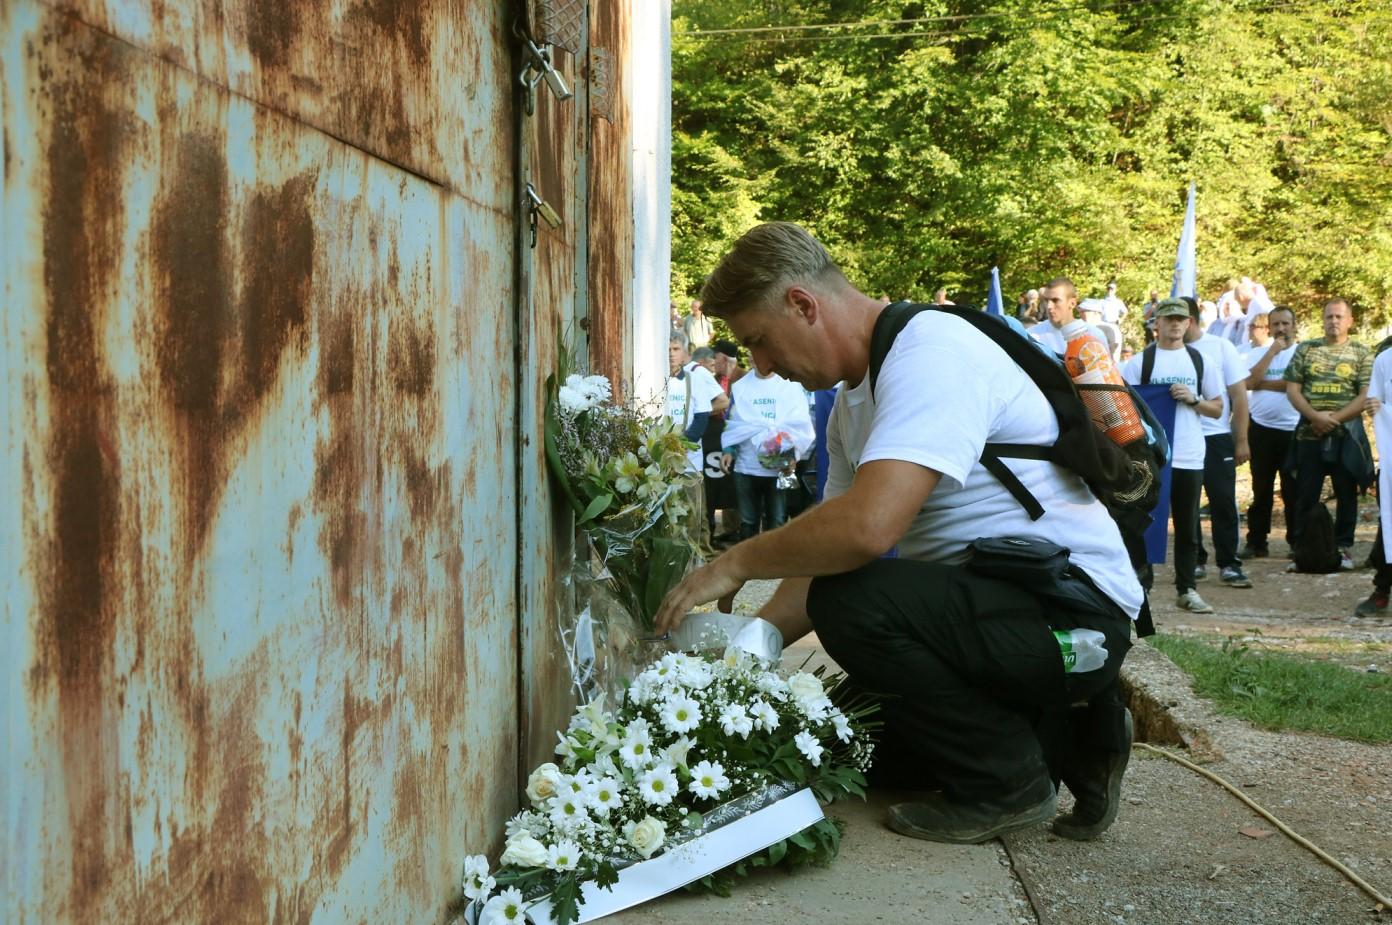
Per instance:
{"type": "Point", "coordinates": [995, 305]}
{"type": "Point", "coordinates": [1163, 407]}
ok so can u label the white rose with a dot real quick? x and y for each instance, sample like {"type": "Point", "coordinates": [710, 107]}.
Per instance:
{"type": "Point", "coordinates": [541, 786]}
{"type": "Point", "coordinates": [524, 851]}
{"type": "Point", "coordinates": [805, 687]}
{"type": "Point", "coordinates": [647, 836]}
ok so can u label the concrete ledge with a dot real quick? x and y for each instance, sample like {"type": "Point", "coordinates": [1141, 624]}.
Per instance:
{"type": "Point", "coordinates": [1164, 706]}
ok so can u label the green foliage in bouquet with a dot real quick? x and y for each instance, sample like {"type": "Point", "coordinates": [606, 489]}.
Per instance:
{"type": "Point", "coordinates": [624, 474]}
{"type": "Point", "coordinates": [693, 737]}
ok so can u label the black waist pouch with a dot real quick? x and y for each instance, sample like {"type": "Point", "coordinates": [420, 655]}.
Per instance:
{"type": "Point", "coordinates": [1030, 563]}
{"type": "Point", "coordinates": [1037, 566]}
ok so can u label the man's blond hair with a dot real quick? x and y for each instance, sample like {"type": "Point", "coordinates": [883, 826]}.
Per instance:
{"type": "Point", "coordinates": [765, 260]}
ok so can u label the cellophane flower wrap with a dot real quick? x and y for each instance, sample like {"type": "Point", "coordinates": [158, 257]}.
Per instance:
{"type": "Point", "coordinates": [777, 451]}
{"type": "Point", "coordinates": [688, 737]}
{"type": "Point", "coordinates": [624, 472]}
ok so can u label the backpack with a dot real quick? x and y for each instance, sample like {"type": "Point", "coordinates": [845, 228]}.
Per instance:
{"type": "Point", "coordinates": [1125, 479]}
{"type": "Point", "coordinates": [1316, 552]}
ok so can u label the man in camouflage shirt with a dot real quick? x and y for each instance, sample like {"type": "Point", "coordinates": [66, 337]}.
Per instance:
{"type": "Point", "coordinates": [1327, 381]}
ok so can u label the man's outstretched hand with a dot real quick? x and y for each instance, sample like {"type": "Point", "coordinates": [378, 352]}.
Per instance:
{"type": "Point", "coordinates": [715, 580]}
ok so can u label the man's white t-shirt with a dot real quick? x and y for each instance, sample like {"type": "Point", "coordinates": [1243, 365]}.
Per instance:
{"type": "Point", "coordinates": [704, 389]}
{"type": "Point", "coordinates": [1112, 309]}
{"type": "Point", "coordinates": [1052, 337]}
{"type": "Point", "coordinates": [1222, 354]}
{"type": "Point", "coordinates": [1177, 366]}
{"type": "Point", "coordinates": [767, 405]}
{"type": "Point", "coordinates": [944, 391]}
{"type": "Point", "coordinates": [1272, 409]}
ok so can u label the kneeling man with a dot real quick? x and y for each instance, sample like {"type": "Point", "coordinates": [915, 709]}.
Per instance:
{"type": "Point", "coordinates": [979, 707]}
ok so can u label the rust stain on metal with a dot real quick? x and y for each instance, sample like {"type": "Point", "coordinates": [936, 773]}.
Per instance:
{"type": "Point", "coordinates": [278, 249]}
{"type": "Point", "coordinates": [272, 27]}
{"type": "Point", "coordinates": [194, 314]}
{"type": "Point", "coordinates": [81, 242]}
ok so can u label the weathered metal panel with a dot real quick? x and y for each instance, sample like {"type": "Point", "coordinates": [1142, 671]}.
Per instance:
{"type": "Point", "coordinates": [411, 81]}
{"type": "Point", "coordinates": [259, 596]}
{"type": "Point", "coordinates": [610, 200]}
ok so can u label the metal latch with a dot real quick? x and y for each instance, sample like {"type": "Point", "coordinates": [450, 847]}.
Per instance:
{"type": "Point", "coordinates": [538, 68]}
{"type": "Point", "coordinates": [536, 206]}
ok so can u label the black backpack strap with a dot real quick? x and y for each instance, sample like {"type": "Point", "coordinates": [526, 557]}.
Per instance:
{"type": "Point", "coordinates": [1147, 363]}
{"type": "Point", "coordinates": [1145, 626]}
{"type": "Point", "coordinates": [893, 319]}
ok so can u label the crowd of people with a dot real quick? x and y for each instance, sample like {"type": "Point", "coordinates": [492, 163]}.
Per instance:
{"type": "Point", "coordinates": [946, 445]}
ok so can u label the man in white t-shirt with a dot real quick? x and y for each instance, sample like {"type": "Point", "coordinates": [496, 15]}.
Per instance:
{"type": "Point", "coordinates": [1274, 420]}
{"type": "Point", "coordinates": [1171, 361]}
{"type": "Point", "coordinates": [965, 657]}
{"type": "Point", "coordinates": [1060, 302]}
{"type": "Point", "coordinates": [765, 410]}
{"type": "Point", "coordinates": [697, 327]}
{"type": "Point", "coordinates": [1225, 448]}
{"type": "Point", "coordinates": [1113, 308]}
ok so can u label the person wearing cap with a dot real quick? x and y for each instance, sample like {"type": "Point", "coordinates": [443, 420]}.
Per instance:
{"type": "Point", "coordinates": [1225, 448]}
{"type": "Point", "coordinates": [1174, 362]}
{"type": "Point", "coordinates": [1113, 308]}
{"type": "Point", "coordinates": [1091, 311]}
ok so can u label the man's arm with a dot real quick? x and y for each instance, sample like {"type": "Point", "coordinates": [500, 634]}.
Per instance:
{"type": "Point", "coordinates": [838, 535]}
{"type": "Point", "coordinates": [1256, 376]}
{"type": "Point", "coordinates": [1237, 398]}
{"type": "Point", "coordinates": [1353, 409]}
{"type": "Point", "coordinates": [720, 402]}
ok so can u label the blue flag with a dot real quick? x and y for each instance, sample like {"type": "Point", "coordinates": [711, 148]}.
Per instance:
{"type": "Point", "coordinates": [1164, 408]}
{"type": "Point", "coordinates": [995, 305]}
{"type": "Point", "coordinates": [1185, 267]}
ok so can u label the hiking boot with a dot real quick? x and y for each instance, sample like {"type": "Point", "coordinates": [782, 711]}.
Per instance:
{"type": "Point", "coordinates": [1233, 577]}
{"type": "Point", "coordinates": [939, 819]}
{"type": "Point", "coordinates": [1200, 572]}
{"type": "Point", "coordinates": [1095, 782]}
{"type": "Point", "coordinates": [1345, 561]}
{"type": "Point", "coordinates": [1374, 606]}
{"type": "Point", "coordinates": [1254, 552]}
{"type": "Point", "coordinates": [1191, 602]}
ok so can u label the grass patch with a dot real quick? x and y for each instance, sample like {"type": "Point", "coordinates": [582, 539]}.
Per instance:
{"type": "Point", "coordinates": [1286, 692]}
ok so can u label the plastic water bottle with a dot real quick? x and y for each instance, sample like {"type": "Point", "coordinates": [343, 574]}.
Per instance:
{"type": "Point", "coordinates": [1090, 364]}
{"type": "Point", "coordinates": [1082, 650]}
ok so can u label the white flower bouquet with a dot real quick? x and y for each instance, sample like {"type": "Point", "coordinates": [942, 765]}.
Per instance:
{"type": "Point", "coordinates": [624, 474]}
{"type": "Point", "coordinates": [697, 743]}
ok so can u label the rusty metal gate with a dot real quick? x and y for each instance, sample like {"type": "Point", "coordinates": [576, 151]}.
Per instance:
{"type": "Point", "coordinates": [280, 562]}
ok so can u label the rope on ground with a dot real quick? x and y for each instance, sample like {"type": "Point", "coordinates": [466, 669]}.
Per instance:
{"type": "Point", "coordinates": [1382, 901]}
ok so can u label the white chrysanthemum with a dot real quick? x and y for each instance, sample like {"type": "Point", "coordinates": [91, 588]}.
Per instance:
{"type": "Point", "coordinates": [734, 720]}
{"type": "Point", "coordinates": [567, 810]}
{"type": "Point", "coordinates": [809, 746]}
{"type": "Point", "coordinates": [696, 674]}
{"type": "Point", "coordinates": [604, 766]}
{"type": "Point", "coordinates": [533, 823]}
{"type": "Point", "coordinates": [563, 855]}
{"type": "Point", "coordinates": [636, 750]}
{"type": "Point", "coordinates": [841, 725]}
{"type": "Point", "coordinates": [708, 780]}
{"type": "Point", "coordinates": [597, 387]}
{"type": "Point", "coordinates": [504, 909]}
{"type": "Point", "coordinates": [765, 716]}
{"type": "Point", "coordinates": [680, 714]}
{"type": "Point", "coordinates": [607, 795]}
{"type": "Point", "coordinates": [658, 786]}
{"type": "Point", "coordinates": [477, 883]}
